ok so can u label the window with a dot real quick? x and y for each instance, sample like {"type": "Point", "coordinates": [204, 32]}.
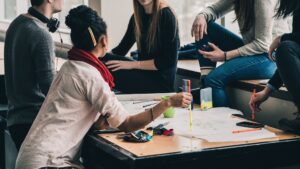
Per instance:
{"type": "Point", "coordinates": [68, 4]}
{"type": "Point", "coordinates": [10, 9]}
{"type": "Point", "coordinates": [186, 11]}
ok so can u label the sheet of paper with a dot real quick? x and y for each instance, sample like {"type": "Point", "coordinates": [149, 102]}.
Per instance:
{"type": "Point", "coordinates": [135, 107]}
{"type": "Point", "coordinates": [142, 97]}
{"type": "Point", "coordinates": [213, 125]}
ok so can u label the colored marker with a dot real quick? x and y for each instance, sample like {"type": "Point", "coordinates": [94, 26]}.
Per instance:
{"type": "Point", "coordinates": [253, 110]}
{"type": "Point", "coordinates": [245, 130]}
{"type": "Point", "coordinates": [187, 88]}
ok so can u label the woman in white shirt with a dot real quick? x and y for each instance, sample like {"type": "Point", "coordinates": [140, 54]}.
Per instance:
{"type": "Point", "coordinates": [80, 95]}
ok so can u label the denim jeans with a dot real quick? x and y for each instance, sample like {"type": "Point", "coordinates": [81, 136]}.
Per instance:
{"type": "Point", "coordinates": [240, 68]}
{"type": "Point", "coordinates": [288, 62]}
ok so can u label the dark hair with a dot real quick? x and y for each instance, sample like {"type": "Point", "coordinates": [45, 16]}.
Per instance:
{"type": "Point", "coordinates": [287, 7]}
{"type": "Point", "coordinates": [36, 2]}
{"type": "Point", "coordinates": [79, 20]}
{"type": "Point", "coordinates": [244, 10]}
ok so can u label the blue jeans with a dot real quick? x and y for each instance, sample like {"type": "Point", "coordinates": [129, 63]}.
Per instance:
{"type": "Point", "coordinates": [240, 68]}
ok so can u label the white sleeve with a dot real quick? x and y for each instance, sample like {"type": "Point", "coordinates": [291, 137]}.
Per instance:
{"type": "Point", "coordinates": [264, 20]}
{"type": "Point", "coordinates": [105, 102]}
{"type": "Point", "coordinates": [218, 10]}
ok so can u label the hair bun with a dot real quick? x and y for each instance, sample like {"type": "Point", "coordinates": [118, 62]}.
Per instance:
{"type": "Point", "coordinates": [80, 17]}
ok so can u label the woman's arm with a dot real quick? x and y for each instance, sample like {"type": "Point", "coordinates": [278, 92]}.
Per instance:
{"type": "Point", "coordinates": [127, 41]}
{"type": "Point", "coordinates": [135, 122]}
{"type": "Point", "coordinates": [166, 57]}
{"type": "Point", "coordinates": [218, 10]}
{"type": "Point", "coordinates": [263, 26]}
{"type": "Point", "coordinates": [113, 114]}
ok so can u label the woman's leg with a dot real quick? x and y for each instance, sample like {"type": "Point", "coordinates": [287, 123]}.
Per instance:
{"type": "Point", "coordinates": [241, 68]}
{"type": "Point", "coordinates": [137, 81]}
{"type": "Point", "coordinates": [288, 63]}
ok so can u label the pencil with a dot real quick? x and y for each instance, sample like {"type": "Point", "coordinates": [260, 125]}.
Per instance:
{"type": "Point", "coordinates": [245, 130]}
{"type": "Point", "coordinates": [149, 105]}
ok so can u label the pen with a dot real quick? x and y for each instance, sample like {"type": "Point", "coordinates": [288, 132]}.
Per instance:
{"type": "Point", "coordinates": [149, 105]}
{"type": "Point", "coordinates": [245, 130]}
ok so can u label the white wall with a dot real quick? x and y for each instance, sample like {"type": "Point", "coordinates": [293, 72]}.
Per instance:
{"type": "Point", "coordinates": [116, 13]}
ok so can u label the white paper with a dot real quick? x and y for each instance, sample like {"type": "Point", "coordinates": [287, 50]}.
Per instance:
{"type": "Point", "coordinates": [213, 125]}
{"type": "Point", "coordinates": [142, 97]}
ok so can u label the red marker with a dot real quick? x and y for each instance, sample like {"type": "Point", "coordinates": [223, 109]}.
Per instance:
{"type": "Point", "coordinates": [253, 110]}
{"type": "Point", "coordinates": [245, 130]}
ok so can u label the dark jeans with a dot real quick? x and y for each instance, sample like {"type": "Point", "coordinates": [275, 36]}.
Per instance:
{"type": "Point", "coordinates": [288, 63]}
{"type": "Point", "coordinates": [138, 81]}
{"type": "Point", "coordinates": [18, 133]}
{"type": "Point", "coordinates": [240, 68]}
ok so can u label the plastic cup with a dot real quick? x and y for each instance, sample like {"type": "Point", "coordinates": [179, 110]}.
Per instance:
{"type": "Point", "coordinates": [170, 112]}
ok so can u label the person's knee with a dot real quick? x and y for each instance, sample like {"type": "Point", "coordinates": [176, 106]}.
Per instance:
{"type": "Point", "coordinates": [285, 50]}
{"type": "Point", "coordinates": [213, 81]}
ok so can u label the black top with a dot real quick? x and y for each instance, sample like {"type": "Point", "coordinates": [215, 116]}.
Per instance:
{"type": "Point", "coordinates": [276, 80]}
{"type": "Point", "coordinates": [166, 53]}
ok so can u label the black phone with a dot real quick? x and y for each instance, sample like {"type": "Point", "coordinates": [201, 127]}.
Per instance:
{"type": "Point", "coordinates": [250, 124]}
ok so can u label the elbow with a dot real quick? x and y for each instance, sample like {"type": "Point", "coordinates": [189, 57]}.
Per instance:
{"type": "Point", "coordinates": [127, 126]}
{"type": "Point", "coordinates": [164, 65]}
{"type": "Point", "coordinates": [262, 46]}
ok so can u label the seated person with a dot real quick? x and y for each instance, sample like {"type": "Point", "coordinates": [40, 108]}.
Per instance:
{"type": "Point", "coordinates": [244, 58]}
{"type": "Point", "coordinates": [154, 28]}
{"type": "Point", "coordinates": [288, 64]}
{"type": "Point", "coordinates": [80, 95]}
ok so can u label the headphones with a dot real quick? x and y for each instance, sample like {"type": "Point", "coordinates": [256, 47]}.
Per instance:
{"type": "Point", "coordinates": [52, 23]}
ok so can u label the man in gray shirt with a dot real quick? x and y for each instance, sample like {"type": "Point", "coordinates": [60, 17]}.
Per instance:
{"type": "Point", "coordinates": [29, 64]}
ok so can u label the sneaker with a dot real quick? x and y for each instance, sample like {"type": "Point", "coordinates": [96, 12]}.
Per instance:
{"type": "Point", "coordinates": [291, 125]}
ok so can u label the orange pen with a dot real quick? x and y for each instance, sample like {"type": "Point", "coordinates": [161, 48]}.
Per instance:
{"type": "Point", "coordinates": [253, 110]}
{"type": "Point", "coordinates": [245, 130]}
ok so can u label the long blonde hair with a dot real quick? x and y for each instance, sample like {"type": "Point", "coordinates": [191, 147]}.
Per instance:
{"type": "Point", "coordinates": [152, 37]}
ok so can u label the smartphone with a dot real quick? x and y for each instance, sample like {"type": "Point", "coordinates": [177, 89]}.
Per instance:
{"type": "Point", "coordinates": [250, 124]}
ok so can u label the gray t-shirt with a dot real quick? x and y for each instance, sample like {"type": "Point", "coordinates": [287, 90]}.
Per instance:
{"type": "Point", "coordinates": [29, 68]}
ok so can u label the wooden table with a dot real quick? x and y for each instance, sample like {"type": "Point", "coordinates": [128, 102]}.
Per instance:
{"type": "Point", "coordinates": [189, 68]}
{"type": "Point", "coordinates": [174, 152]}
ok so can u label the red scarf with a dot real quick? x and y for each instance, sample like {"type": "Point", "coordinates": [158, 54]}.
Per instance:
{"type": "Point", "coordinates": [81, 55]}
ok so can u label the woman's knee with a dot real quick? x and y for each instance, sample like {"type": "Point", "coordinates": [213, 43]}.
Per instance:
{"type": "Point", "coordinates": [212, 80]}
{"type": "Point", "coordinates": [286, 50]}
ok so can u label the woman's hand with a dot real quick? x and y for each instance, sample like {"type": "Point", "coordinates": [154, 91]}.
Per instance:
{"type": "Point", "coordinates": [258, 99]}
{"type": "Point", "coordinates": [216, 55]}
{"type": "Point", "coordinates": [180, 100]}
{"type": "Point", "coordinates": [116, 65]}
{"type": "Point", "coordinates": [274, 46]}
{"type": "Point", "coordinates": [199, 27]}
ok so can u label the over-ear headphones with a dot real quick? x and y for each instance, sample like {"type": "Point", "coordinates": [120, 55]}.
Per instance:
{"type": "Point", "coordinates": [52, 23]}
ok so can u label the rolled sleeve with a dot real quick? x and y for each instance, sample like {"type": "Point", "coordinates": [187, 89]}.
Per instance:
{"type": "Point", "coordinates": [217, 10]}
{"type": "Point", "coordinates": [105, 102]}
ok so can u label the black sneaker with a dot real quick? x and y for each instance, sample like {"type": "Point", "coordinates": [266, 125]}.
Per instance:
{"type": "Point", "coordinates": [291, 125]}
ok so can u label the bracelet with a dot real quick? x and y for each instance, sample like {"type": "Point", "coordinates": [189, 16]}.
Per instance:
{"type": "Point", "coordinates": [151, 112]}
{"type": "Point", "coordinates": [225, 55]}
